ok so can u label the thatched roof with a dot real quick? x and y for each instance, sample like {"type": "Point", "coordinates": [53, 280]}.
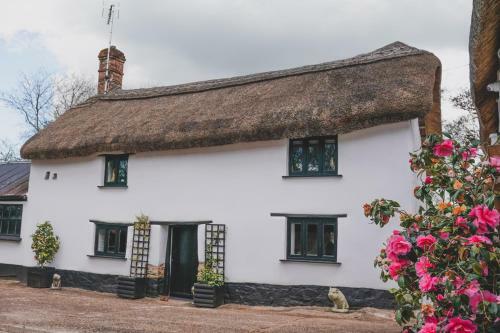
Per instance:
{"type": "Point", "coordinates": [483, 45]}
{"type": "Point", "coordinates": [14, 179]}
{"type": "Point", "coordinates": [391, 84]}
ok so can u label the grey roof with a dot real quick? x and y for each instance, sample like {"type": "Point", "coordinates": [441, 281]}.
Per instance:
{"type": "Point", "coordinates": [14, 179]}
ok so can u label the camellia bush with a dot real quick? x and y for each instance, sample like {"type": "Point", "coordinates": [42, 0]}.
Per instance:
{"type": "Point", "coordinates": [45, 244]}
{"type": "Point", "coordinates": [445, 258]}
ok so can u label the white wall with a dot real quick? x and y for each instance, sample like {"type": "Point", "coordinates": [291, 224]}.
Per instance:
{"type": "Point", "coordinates": [237, 185]}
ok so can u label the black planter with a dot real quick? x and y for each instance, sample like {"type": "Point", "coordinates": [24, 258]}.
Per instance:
{"type": "Point", "coordinates": [40, 277]}
{"type": "Point", "coordinates": [131, 287]}
{"type": "Point", "coordinates": [207, 296]}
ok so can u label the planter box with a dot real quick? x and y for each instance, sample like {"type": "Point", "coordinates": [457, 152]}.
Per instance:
{"type": "Point", "coordinates": [40, 277]}
{"type": "Point", "coordinates": [131, 287]}
{"type": "Point", "coordinates": [207, 296]}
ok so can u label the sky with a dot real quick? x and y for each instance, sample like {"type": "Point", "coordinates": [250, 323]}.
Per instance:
{"type": "Point", "coordinates": [169, 42]}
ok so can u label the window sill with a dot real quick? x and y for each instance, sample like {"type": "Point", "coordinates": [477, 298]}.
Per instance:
{"type": "Point", "coordinates": [10, 238]}
{"type": "Point", "coordinates": [112, 186]}
{"type": "Point", "coordinates": [312, 261]}
{"type": "Point", "coordinates": [106, 257]}
{"type": "Point", "coordinates": [312, 176]}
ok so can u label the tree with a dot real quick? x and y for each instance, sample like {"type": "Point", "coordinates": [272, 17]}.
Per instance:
{"type": "Point", "coordinates": [445, 258]}
{"type": "Point", "coordinates": [42, 97]}
{"type": "Point", "coordinates": [8, 152]}
{"type": "Point", "coordinates": [465, 128]}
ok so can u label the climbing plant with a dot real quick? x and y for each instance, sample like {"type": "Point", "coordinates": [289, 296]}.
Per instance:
{"type": "Point", "coordinates": [45, 243]}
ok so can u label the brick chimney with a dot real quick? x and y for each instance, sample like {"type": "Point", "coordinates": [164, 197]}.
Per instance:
{"type": "Point", "coordinates": [116, 62]}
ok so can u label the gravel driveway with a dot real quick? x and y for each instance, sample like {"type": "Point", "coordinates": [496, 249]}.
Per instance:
{"type": "Point", "coordinates": [24, 309]}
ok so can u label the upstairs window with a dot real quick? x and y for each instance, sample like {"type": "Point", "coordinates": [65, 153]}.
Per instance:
{"type": "Point", "coordinates": [313, 157]}
{"type": "Point", "coordinates": [312, 239]}
{"type": "Point", "coordinates": [111, 240]}
{"type": "Point", "coordinates": [10, 220]}
{"type": "Point", "coordinates": [115, 173]}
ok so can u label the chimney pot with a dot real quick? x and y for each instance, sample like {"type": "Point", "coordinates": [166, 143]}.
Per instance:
{"type": "Point", "coordinates": [115, 75]}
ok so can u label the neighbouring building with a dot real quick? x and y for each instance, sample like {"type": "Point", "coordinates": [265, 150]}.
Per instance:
{"type": "Point", "coordinates": [280, 163]}
{"type": "Point", "coordinates": [484, 54]}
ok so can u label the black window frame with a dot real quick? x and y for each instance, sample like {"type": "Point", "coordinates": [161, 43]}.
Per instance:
{"type": "Point", "coordinates": [117, 158]}
{"type": "Point", "coordinates": [304, 221]}
{"type": "Point", "coordinates": [306, 158]}
{"type": "Point", "coordinates": [8, 221]}
{"type": "Point", "coordinates": [108, 227]}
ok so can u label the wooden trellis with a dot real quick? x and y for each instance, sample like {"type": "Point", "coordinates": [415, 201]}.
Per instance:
{"type": "Point", "coordinates": [140, 251]}
{"type": "Point", "coordinates": [215, 247]}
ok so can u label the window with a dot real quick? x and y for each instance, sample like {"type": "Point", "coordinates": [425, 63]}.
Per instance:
{"type": "Point", "coordinates": [313, 157]}
{"type": "Point", "coordinates": [10, 220]}
{"type": "Point", "coordinates": [111, 240]}
{"type": "Point", "coordinates": [115, 173]}
{"type": "Point", "coordinates": [312, 238]}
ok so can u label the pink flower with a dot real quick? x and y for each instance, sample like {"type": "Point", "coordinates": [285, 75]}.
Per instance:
{"type": "Point", "coordinates": [458, 283]}
{"type": "Point", "coordinates": [428, 328]}
{"type": "Point", "coordinates": [478, 240]}
{"type": "Point", "coordinates": [484, 217]}
{"type": "Point", "coordinates": [459, 325]}
{"type": "Point", "coordinates": [397, 246]}
{"type": "Point", "coordinates": [495, 162]}
{"type": "Point", "coordinates": [428, 180]}
{"type": "Point", "coordinates": [444, 235]}
{"type": "Point", "coordinates": [468, 154]}
{"type": "Point", "coordinates": [396, 267]}
{"type": "Point", "coordinates": [426, 242]}
{"type": "Point", "coordinates": [481, 296]}
{"type": "Point", "coordinates": [422, 265]}
{"type": "Point", "coordinates": [461, 222]}
{"type": "Point", "coordinates": [444, 149]}
{"type": "Point", "coordinates": [427, 283]}
{"type": "Point", "coordinates": [440, 297]}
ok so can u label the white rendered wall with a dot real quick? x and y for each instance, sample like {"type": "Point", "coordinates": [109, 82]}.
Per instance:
{"type": "Point", "coordinates": [237, 185]}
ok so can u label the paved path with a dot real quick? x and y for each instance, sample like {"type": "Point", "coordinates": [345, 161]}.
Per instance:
{"type": "Point", "coordinates": [29, 310]}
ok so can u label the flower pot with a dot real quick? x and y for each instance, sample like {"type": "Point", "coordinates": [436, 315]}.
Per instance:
{"type": "Point", "coordinates": [208, 296]}
{"type": "Point", "coordinates": [131, 287]}
{"type": "Point", "coordinates": [40, 277]}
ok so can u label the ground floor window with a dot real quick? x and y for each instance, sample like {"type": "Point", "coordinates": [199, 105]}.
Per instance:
{"type": "Point", "coordinates": [10, 219]}
{"type": "Point", "coordinates": [111, 240]}
{"type": "Point", "coordinates": [312, 238]}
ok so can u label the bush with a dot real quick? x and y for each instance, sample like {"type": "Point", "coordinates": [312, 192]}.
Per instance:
{"type": "Point", "coordinates": [445, 258]}
{"type": "Point", "coordinates": [45, 244]}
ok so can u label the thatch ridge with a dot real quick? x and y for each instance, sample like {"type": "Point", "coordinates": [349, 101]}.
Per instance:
{"type": "Point", "coordinates": [390, 84]}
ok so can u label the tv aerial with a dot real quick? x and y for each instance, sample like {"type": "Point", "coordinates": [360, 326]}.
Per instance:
{"type": "Point", "coordinates": [110, 12]}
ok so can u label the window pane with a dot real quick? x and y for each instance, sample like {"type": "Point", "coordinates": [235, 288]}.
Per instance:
{"type": "Point", "coordinates": [12, 227]}
{"type": "Point", "coordinates": [330, 165]}
{"type": "Point", "coordinates": [295, 235]}
{"type": "Point", "coordinates": [101, 233]}
{"type": "Point", "coordinates": [4, 227]}
{"type": "Point", "coordinates": [297, 158]}
{"type": "Point", "coordinates": [123, 240]}
{"type": "Point", "coordinates": [329, 240]}
{"type": "Point", "coordinates": [112, 240]}
{"type": "Point", "coordinates": [111, 171]}
{"type": "Point", "coordinates": [122, 171]}
{"type": "Point", "coordinates": [312, 239]}
{"type": "Point", "coordinates": [313, 156]}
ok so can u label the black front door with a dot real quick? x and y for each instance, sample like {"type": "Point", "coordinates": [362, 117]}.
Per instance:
{"type": "Point", "coordinates": [184, 259]}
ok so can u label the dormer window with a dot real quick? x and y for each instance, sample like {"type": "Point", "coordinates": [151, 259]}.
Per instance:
{"type": "Point", "coordinates": [313, 157]}
{"type": "Point", "coordinates": [115, 173]}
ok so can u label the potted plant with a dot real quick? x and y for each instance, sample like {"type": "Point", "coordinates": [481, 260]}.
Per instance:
{"type": "Point", "coordinates": [45, 246]}
{"type": "Point", "coordinates": [135, 286]}
{"type": "Point", "coordinates": [208, 291]}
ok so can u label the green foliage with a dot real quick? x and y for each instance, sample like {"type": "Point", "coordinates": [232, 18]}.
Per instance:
{"type": "Point", "coordinates": [208, 274]}
{"type": "Point", "coordinates": [45, 243]}
{"type": "Point", "coordinates": [142, 222]}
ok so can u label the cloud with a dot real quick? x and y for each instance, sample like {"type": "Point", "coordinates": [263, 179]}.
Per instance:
{"type": "Point", "coordinates": [168, 42]}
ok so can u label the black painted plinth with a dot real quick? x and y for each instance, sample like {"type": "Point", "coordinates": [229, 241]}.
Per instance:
{"type": "Point", "coordinates": [303, 295]}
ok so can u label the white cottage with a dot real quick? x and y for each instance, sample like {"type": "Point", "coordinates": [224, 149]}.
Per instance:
{"type": "Point", "coordinates": [282, 160]}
